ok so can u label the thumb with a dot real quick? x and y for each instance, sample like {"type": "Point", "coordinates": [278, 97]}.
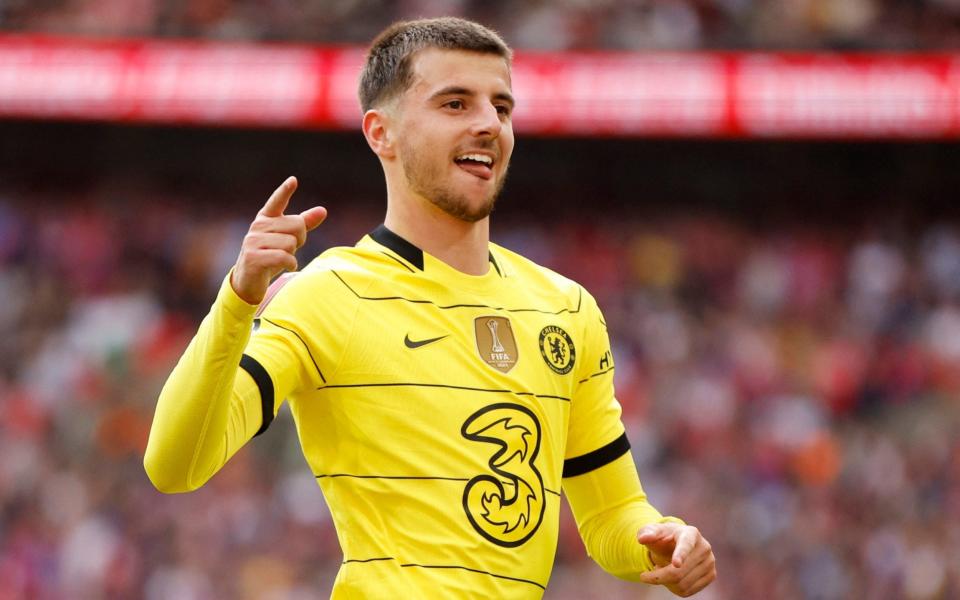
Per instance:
{"type": "Point", "coordinates": [313, 217]}
{"type": "Point", "coordinates": [651, 534]}
{"type": "Point", "coordinates": [659, 542]}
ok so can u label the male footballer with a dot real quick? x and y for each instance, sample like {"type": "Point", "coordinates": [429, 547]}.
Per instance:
{"type": "Point", "coordinates": [445, 390]}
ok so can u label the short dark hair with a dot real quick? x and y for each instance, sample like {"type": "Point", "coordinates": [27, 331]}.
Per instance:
{"type": "Point", "coordinates": [387, 70]}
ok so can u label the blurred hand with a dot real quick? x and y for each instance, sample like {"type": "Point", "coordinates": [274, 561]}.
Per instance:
{"type": "Point", "coordinates": [684, 560]}
{"type": "Point", "coordinates": [270, 244]}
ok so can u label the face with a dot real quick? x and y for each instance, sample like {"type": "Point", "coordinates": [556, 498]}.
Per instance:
{"type": "Point", "coordinates": [455, 135]}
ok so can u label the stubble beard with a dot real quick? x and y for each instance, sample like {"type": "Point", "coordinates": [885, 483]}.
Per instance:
{"type": "Point", "coordinates": [426, 180]}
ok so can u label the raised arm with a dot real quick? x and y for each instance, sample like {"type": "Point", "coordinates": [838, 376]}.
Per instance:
{"type": "Point", "coordinates": [209, 406]}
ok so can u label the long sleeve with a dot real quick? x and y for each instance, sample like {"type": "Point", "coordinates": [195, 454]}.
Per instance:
{"type": "Point", "coordinates": [610, 507]}
{"type": "Point", "coordinates": [208, 407]}
{"type": "Point", "coordinates": [599, 476]}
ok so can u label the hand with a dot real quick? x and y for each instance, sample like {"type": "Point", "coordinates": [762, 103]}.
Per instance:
{"type": "Point", "coordinates": [270, 244]}
{"type": "Point", "coordinates": [683, 557]}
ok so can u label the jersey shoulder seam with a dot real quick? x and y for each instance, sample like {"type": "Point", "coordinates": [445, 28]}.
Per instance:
{"type": "Point", "coordinates": [353, 327]}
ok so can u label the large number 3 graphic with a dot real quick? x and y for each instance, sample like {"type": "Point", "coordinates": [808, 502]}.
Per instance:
{"type": "Point", "coordinates": [506, 507]}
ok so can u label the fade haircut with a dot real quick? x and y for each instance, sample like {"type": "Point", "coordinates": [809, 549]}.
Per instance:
{"type": "Point", "coordinates": [388, 70]}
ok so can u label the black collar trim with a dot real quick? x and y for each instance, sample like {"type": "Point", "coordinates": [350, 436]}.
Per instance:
{"type": "Point", "coordinates": [402, 247]}
{"type": "Point", "coordinates": [493, 261]}
{"type": "Point", "coordinates": [408, 251]}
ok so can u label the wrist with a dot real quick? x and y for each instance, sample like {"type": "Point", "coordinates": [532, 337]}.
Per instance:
{"type": "Point", "coordinates": [241, 293]}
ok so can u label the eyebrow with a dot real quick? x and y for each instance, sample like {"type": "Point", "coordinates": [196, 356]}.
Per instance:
{"type": "Point", "coordinates": [455, 90]}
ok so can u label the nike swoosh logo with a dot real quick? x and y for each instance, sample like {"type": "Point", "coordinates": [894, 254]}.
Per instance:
{"type": "Point", "coordinates": [417, 343]}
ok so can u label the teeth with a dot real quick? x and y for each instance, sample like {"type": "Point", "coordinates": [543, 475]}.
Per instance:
{"type": "Point", "coordinates": [476, 157]}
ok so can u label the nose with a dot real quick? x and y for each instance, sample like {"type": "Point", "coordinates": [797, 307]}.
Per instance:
{"type": "Point", "coordinates": [487, 122]}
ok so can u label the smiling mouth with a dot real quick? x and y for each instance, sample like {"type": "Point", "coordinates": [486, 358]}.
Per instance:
{"type": "Point", "coordinates": [479, 165]}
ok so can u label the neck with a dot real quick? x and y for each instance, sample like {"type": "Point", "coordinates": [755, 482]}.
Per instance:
{"type": "Point", "coordinates": [462, 245]}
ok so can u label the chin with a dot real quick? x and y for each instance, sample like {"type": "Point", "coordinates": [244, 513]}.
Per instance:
{"type": "Point", "coordinates": [477, 216]}
{"type": "Point", "coordinates": [463, 209]}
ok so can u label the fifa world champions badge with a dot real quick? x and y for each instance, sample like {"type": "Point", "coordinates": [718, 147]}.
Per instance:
{"type": "Point", "coordinates": [495, 342]}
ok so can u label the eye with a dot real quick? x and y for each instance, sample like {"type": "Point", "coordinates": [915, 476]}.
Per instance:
{"type": "Point", "coordinates": [503, 110]}
{"type": "Point", "coordinates": [455, 104]}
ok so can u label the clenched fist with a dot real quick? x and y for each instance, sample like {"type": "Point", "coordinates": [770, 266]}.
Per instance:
{"type": "Point", "coordinates": [270, 244]}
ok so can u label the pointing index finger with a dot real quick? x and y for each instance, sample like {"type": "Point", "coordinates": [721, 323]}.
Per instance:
{"type": "Point", "coordinates": [685, 544]}
{"type": "Point", "coordinates": [278, 200]}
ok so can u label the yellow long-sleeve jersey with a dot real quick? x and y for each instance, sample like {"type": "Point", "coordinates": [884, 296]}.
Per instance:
{"type": "Point", "coordinates": [441, 413]}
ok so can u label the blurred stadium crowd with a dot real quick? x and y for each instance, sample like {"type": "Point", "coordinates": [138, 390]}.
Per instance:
{"type": "Point", "coordinates": [792, 391]}
{"type": "Point", "coordinates": [554, 25]}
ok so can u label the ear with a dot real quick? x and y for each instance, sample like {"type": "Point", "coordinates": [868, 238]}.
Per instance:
{"type": "Point", "coordinates": [377, 129]}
